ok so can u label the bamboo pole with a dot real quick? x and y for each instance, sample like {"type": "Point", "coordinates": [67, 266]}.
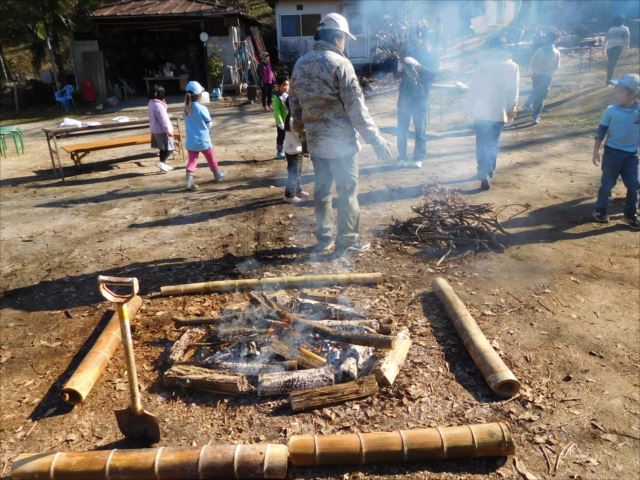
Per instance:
{"type": "Point", "coordinates": [273, 283]}
{"type": "Point", "coordinates": [226, 462]}
{"type": "Point", "coordinates": [77, 388]}
{"type": "Point", "coordinates": [499, 377]}
{"type": "Point", "coordinates": [439, 443]}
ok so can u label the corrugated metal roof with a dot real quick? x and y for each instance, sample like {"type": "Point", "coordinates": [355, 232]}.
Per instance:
{"type": "Point", "coordinates": [138, 8]}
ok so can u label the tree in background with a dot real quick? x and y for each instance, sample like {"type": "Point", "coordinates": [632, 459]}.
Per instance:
{"type": "Point", "coordinates": [46, 25]}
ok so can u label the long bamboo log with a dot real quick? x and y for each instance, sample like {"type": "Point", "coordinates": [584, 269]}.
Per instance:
{"type": "Point", "coordinates": [466, 441]}
{"type": "Point", "coordinates": [226, 462]}
{"type": "Point", "coordinates": [273, 283]}
{"type": "Point", "coordinates": [77, 388]}
{"type": "Point", "coordinates": [499, 377]}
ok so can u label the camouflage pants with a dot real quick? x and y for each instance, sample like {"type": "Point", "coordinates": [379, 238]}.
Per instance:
{"type": "Point", "coordinates": [343, 171]}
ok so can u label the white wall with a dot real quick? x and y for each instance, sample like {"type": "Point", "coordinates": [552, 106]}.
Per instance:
{"type": "Point", "coordinates": [301, 45]}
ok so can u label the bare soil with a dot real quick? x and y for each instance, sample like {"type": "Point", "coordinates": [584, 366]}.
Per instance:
{"type": "Point", "coordinates": [561, 306]}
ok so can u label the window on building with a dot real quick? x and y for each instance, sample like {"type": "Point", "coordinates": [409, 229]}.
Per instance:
{"type": "Point", "coordinates": [299, 25]}
{"type": "Point", "coordinates": [290, 25]}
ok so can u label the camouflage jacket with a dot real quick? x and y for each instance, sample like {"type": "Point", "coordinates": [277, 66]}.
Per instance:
{"type": "Point", "coordinates": [327, 103]}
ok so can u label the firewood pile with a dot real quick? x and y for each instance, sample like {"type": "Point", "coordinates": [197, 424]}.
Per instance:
{"type": "Point", "coordinates": [317, 353]}
{"type": "Point", "coordinates": [446, 222]}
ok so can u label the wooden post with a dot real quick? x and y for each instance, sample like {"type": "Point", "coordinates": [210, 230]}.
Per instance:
{"type": "Point", "coordinates": [341, 392]}
{"type": "Point", "coordinates": [389, 369]}
{"type": "Point", "coordinates": [439, 443]}
{"type": "Point", "coordinates": [268, 461]}
{"type": "Point", "coordinates": [499, 377]}
{"type": "Point", "coordinates": [270, 384]}
{"type": "Point", "coordinates": [273, 282]}
{"type": "Point", "coordinates": [77, 388]}
{"type": "Point", "coordinates": [199, 378]}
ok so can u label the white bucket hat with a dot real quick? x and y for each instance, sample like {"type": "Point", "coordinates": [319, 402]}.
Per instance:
{"type": "Point", "coordinates": [194, 88]}
{"type": "Point", "coordinates": [335, 21]}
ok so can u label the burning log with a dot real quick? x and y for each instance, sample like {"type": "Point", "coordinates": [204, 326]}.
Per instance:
{"type": "Point", "coordinates": [185, 463]}
{"type": "Point", "coordinates": [499, 377]}
{"type": "Point", "coordinates": [252, 369]}
{"type": "Point", "coordinates": [446, 221]}
{"type": "Point", "coordinates": [389, 369]}
{"type": "Point", "coordinates": [77, 388]}
{"type": "Point", "coordinates": [354, 326]}
{"type": "Point", "coordinates": [333, 394]}
{"type": "Point", "coordinates": [305, 358]}
{"type": "Point", "coordinates": [465, 441]}
{"type": "Point", "coordinates": [273, 282]}
{"type": "Point", "coordinates": [335, 310]}
{"type": "Point", "coordinates": [184, 343]}
{"type": "Point", "coordinates": [270, 384]}
{"type": "Point", "coordinates": [199, 378]}
{"type": "Point", "coordinates": [368, 340]}
{"type": "Point", "coordinates": [347, 364]}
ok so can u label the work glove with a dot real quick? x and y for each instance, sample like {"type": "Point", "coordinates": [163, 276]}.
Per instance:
{"type": "Point", "coordinates": [281, 126]}
{"type": "Point", "coordinates": [383, 150]}
{"type": "Point", "coordinates": [411, 61]}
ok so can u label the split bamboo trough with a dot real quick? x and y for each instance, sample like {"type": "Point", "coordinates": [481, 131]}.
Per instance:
{"type": "Point", "coordinates": [268, 461]}
{"type": "Point", "coordinates": [273, 283]}
{"type": "Point", "coordinates": [499, 377]}
{"type": "Point", "coordinates": [75, 391]}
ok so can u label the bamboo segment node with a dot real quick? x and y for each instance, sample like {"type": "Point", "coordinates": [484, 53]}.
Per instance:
{"type": "Point", "coordinates": [465, 441]}
{"type": "Point", "coordinates": [262, 461]}
{"type": "Point", "coordinates": [496, 373]}
{"type": "Point", "coordinates": [273, 283]}
{"type": "Point", "coordinates": [77, 388]}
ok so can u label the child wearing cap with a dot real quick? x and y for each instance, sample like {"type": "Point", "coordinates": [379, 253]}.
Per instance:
{"type": "Point", "coordinates": [280, 112]}
{"type": "Point", "coordinates": [197, 123]}
{"type": "Point", "coordinates": [620, 123]}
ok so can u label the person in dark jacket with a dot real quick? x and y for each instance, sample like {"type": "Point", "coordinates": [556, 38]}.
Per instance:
{"type": "Point", "coordinates": [417, 71]}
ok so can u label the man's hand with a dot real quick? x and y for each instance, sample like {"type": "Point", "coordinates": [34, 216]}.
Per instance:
{"type": "Point", "coordinates": [281, 126]}
{"type": "Point", "coordinates": [383, 150]}
{"type": "Point", "coordinates": [596, 158]}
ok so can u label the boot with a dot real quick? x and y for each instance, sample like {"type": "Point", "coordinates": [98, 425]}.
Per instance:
{"type": "Point", "coordinates": [190, 185]}
{"type": "Point", "coordinates": [280, 155]}
{"type": "Point", "coordinates": [218, 176]}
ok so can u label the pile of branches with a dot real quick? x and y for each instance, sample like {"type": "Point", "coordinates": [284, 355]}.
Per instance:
{"type": "Point", "coordinates": [446, 222]}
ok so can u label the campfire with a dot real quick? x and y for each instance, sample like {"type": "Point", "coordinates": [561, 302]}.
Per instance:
{"type": "Point", "coordinates": [318, 352]}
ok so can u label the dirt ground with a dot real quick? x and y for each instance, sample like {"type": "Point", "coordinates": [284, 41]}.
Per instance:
{"type": "Point", "coordinates": [561, 306]}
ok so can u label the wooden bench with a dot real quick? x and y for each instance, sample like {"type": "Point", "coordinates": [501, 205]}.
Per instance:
{"type": "Point", "coordinates": [79, 150]}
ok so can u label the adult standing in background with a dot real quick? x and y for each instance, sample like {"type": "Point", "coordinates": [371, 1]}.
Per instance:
{"type": "Point", "coordinates": [267, 80]}
{"type": "Point", "coordinates": [544, 63]}
{"type": "Point", "coordinates": [618, 38]}
{"type": "Point", "coordinates": [327, 104]}
{"type": "Point", "coordinates": [493, 101]}
{"type": "Point", "coordinates": [417, 71]}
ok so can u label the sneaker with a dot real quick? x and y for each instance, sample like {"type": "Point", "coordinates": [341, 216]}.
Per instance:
{"type": "Point", "coordinates": [218, 176]}
{"type": "Point", "coordinates": [324, 247]}
{"type": "Point", "coordinates": [417, 164]}
{"type": "Point", "coordinates": [358, 247]}
{"type": "Point", "coordinates": [535, 119]}
{"type": "Point", "coordinates": [600, 217]}
{"type": "Point", "coordinates": [302, 194]}
{"type": "Point", "coordinates": [633, 222]}
{"type": "Point", "coordinates": [485, 183]}
{"type": "Point", "coordinates": [280, 155]}
{"type": "Point", "coordinates": [163, 166]}
{"type": "Point", "coordinates": [292, 200]}
{"type": "Point", "coordinates": [402, 162]}
{"type": "Point", "coordinates": [192, 188]}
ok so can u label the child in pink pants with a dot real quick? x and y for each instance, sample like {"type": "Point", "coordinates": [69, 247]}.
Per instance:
{"type": "Point", "coordinates": [197, 122]}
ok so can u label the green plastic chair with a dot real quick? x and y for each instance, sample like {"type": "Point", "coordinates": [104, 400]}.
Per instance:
{"type": "Point", "coordinates": [17, 135]}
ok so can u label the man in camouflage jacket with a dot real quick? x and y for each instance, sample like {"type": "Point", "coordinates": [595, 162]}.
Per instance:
{"type": "Point", "coordinates": [327, 104]}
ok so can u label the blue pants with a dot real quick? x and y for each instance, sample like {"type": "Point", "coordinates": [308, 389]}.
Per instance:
{"type": "Point", "coordinates": [617, 163]}
{"type": "Point", "coordinates": [539, 91]}
{"type": "Point", "coordinates": [487, 140]}
{"type": "Point", "coordinates": [410, 107]}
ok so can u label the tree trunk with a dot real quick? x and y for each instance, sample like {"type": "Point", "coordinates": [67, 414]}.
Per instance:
{"type": "Point", "coordinates": [285, 382]}
{"type": "Point", "coordinates": [333, 394]}
{"type": "Point", "coordinates": [198, 378]}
